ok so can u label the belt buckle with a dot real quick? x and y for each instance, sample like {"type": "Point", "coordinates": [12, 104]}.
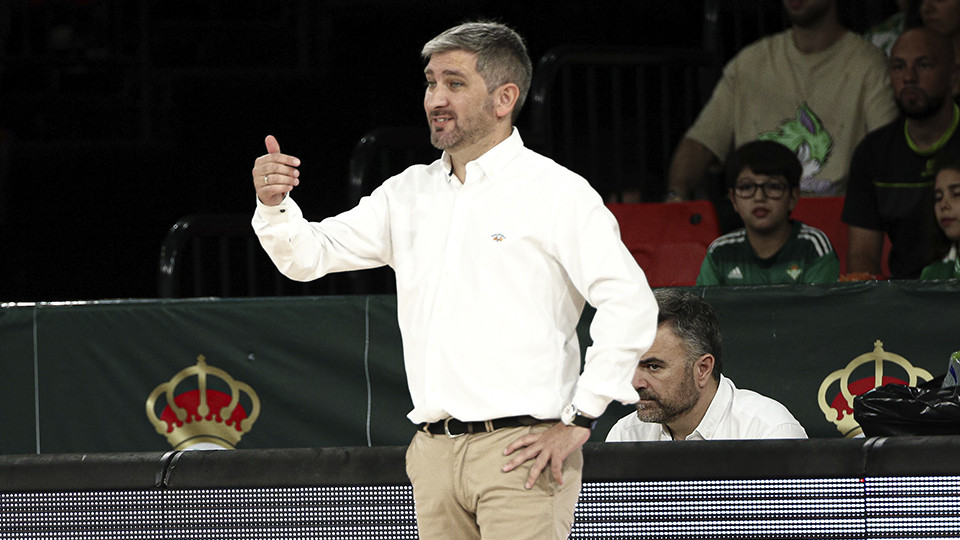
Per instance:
{"type": "Point", "coordinates": [446, 428]}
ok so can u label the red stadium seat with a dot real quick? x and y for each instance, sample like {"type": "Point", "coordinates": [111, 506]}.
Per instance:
{"type": "Point", "coordinates": [668, 240]}
{"type": "Point", "coordinates": [824, 214]}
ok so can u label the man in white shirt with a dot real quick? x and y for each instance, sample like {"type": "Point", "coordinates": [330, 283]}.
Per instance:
{"type": "Point", "coordinates": [683, 396]}
{"type": "Point", "coordinates": [496, 249]}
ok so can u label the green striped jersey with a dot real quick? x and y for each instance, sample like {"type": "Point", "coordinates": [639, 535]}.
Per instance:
{"type": "Point", "coordinates": [806, 257]}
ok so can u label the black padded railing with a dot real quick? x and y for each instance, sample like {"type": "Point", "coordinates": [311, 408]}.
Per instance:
{"type": "Point", "coordinates": [820, 488]}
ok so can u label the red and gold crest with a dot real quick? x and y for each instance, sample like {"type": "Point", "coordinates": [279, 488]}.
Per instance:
{"type": "Point", "coordinates": [863, 373]}
{"type": "Point", "coordinates": [200, 415]}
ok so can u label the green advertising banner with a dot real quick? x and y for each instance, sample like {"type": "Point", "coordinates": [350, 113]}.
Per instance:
{"type": "Point", "coordinates": [328, 371]}
{"type": "Point", "coordinates": [18, 420]}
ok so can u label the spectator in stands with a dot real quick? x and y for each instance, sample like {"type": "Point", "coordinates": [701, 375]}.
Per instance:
{"type": "Point", "coordinates": [496, 249]}
{"type": "Point", "coordinates": [885, 33]}
{"type": "Point", "coordinates": [684, 396]}
{"type": "Point", "coordinates": [943, 16]}
{"type": "Point", "coordinates": [816, 88]}
{"type": "Point", "coordinates": [764, 187]}
{"type": "Point", "coordinates": [946, 194]}
{"type": "Point", "coordinates": [893, 168]}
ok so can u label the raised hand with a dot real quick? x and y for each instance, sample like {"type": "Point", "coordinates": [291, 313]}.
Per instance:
{"type": "Point", "coordinates": [275, 174]}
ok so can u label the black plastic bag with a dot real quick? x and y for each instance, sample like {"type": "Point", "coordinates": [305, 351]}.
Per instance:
{"type": "Point", "coordinates": [898, 409]}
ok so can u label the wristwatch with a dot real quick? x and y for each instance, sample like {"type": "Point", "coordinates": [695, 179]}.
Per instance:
{"type": "Point", "coordinates": [571, 416]}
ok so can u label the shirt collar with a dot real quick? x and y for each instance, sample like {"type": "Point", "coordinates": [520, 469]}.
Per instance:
{"type": "Point", "coordinates": [941, 142]}
{"type": "Point", "coordinates": [952, 254]}
{"type": "Point", "coordinates": [493, 161]}
{"type": "Point", "coordinates": [711, 419]}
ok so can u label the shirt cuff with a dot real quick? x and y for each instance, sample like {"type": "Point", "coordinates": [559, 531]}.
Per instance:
{"type": "Point", "coordinates": [589, 403]}
{"type": "Point", "coordinates": [281, 209]}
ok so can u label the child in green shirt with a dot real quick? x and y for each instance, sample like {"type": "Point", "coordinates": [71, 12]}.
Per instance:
{"type": "Point", "coordinates": [764, 186]}
{"type": "Point", "coordinates": [946, 206]}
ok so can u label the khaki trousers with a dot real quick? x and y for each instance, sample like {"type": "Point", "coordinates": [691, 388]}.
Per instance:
{"type": "Point", "coordinates": [460, 491]}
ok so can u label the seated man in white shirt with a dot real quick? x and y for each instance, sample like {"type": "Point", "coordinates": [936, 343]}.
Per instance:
{"type": "Point", "coordinates": [683, 396]}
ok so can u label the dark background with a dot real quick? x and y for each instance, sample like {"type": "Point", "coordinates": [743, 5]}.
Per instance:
{"type": "Point", "coordinates": [120, 117]}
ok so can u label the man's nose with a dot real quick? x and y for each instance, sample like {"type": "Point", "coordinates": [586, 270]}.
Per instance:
{"type": "Point", "coordinates": [435, 98]}
{"type": "Point", "coordinates": [910, 74]}
{"type": "Point", "coordinates": [639, 382]}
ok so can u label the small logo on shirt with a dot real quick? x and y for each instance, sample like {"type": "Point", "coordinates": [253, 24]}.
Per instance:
{"type": "Point", "coordinates": [794, 272]}
{"type": "Point", "coordinates": [736, 273]}
{"type": "Point", "coordinates": [497, 237]}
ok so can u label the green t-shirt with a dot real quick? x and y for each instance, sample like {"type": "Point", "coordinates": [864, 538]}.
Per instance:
{"type": "Point", "coordinates": [807, 257]}
{"type": "Point", "coordinates": [948, 268]}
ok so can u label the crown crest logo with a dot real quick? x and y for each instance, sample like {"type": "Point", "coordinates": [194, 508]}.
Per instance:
{"type": "Point", "coordinates": [201, 414]}
{"type": "Point", "coordinates": [839, 409]}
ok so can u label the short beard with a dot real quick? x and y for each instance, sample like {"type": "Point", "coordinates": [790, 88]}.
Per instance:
{"type": "Point", "coordinates": [686, 399]}
{"type": "Point", "coordinates": [466, 135]}
{"type": "Point", "coordinates": [930, 110]}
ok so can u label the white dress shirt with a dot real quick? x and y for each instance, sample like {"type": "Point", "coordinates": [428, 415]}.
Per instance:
{"type": "Point", "coordinates": [733, 414]}
{"type": "Point", "coordinates": [492, 276]}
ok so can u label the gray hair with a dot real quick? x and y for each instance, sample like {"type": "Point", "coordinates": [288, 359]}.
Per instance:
{"type": "Point", "coordinates": [501, 54]}
{"type": "Point", "coordinates": [694, 322]}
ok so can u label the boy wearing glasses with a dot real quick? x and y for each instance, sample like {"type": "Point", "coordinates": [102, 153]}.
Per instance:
{"type": "Point", "coordinates": [764, 181]}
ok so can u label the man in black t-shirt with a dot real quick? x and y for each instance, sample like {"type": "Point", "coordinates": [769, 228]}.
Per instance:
{"type": "Point", "coordinates": [892, 170]}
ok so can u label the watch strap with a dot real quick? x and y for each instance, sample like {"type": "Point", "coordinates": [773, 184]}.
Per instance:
{"type": "Point", "coordinates": [584, 421]}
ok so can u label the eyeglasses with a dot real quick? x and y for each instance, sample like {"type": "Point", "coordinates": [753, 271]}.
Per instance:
{"type": "Point", "coordinates": [771, 190]}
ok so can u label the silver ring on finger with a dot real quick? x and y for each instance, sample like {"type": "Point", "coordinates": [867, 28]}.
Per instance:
{"type": "Point", "coordinates": [266, 179]}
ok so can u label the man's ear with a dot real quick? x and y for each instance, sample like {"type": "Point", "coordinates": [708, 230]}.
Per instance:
{"type": "Point", "coordinates": [505, 99]}
{"type": "Point", "coordinates": [703, 369]}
